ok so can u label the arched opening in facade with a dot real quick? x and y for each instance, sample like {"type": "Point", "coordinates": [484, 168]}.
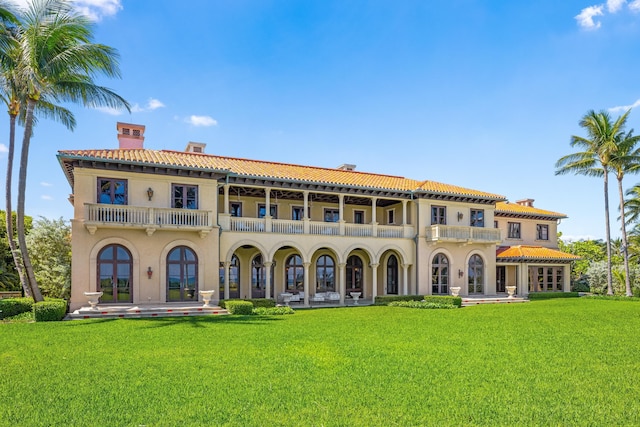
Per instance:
{"type": "Point", "coordinates": [115, 274]}
{"type": "Point", "coordinates": [182, 275]}
{"type": "Point", "coordinates": [476, 275]}
{"type": "Point", "coordinates": [440, 275]}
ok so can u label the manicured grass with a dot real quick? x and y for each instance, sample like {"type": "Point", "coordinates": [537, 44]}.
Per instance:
{"type": "Point", "coordinates": [555, 362]}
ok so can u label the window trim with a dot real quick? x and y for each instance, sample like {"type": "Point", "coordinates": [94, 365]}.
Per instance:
{"type": "Point", "coordinates": [273, 208]}
{"type": "Point", "coordinates": [185, 198]}
{"type": "Point", "coordinates": [239, 204]}
{"type": "Point", "coordinates": [364, 216]}
{"type": "Point", "coordinates": [473, 219]}
{"type": "Point", "coordinates": [539, 228]}
{"type": "Point", "coordinates": [441, 217]}
{"type": "Point", "coordinates": [112, 191]}
{"type": "Point", "coordinates": [335, 210]}
{"type": "Point", "coordinates": [391, 213]}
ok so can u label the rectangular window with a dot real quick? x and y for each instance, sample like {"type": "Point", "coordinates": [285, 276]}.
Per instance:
{"type": "Point", "coordinates": [297, 213]}
{"type": "Point", "coordinates": [391, 216]}
{"type": "Point", "coordinates": [542, 232]}
{"type": "Point", "coordinates": [262, 209]}
{"type": "Point", "coordinates": [112, 191]}
{"type": "Point", "coordinates": [477, 218]}
{"type": "Point", "coordinates": [358, 217]}
{"type": "Point", "coordinates": [235, 209]}
{"type": "Point", "coordinates": [331, 215]}
{"type": "Point", "coordinates": [184, 196]}
{"type": "Point", "coordinates": [513, 230]}
{"type": "Point", "coordinates": [438, 215]}
{"type": "Point", "coordinates": [495, 224]}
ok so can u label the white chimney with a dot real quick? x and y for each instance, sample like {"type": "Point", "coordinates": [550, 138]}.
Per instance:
{"type": "Point", "coordinates": [195, 147]}
{"type": "Point", "coordinates": [347, 167]}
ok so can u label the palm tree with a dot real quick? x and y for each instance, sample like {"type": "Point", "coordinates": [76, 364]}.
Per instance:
{"type": "Point", "coordinates": [13, 95]}
{"type": "Point", "coordinates": [594, 160]}
{"type": "Point", "coordinates": [57, 60]}
{"type": "Point", "coordinates": [626, 159]}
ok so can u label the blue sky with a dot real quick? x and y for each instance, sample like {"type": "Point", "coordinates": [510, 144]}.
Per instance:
{"type": "Point", "coordinates": [481, 94]}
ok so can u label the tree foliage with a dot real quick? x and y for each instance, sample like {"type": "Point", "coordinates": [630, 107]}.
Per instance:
{"type": "Point", "coordinates": [50, 246]}
{"type": "Point", "coordinates": [9, 280]}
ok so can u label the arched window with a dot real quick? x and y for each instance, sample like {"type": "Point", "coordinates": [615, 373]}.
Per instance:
{"type": "Point", "coordinates": [115, 274]}
{"type": "Point", "coordinates": [325, 274]}
{"type": "Point", "coordinates": [440, 275]}
{"type": "Point", "coordinates": [476, 275]}
{"type": "Point", "coordinates": [354, 274]}
{"type": "Point", "coordinates": [392, 275]}
{"type": "Point", "coordinates": [259, 277]}
{"type": "Point", "coordinates": [234, 278]}
{"type": "Point", "coordinates": [294, 272]}
{"type": "Point", "coordinates": [182, 275]}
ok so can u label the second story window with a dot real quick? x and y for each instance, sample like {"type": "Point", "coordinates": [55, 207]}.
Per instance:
{"type": "Point", "coordinates": [331, 215]}
{"type": "Point", "coordinates": [184, 196]}
{"type": "Point", "coordinates": [358, 217]}
{"type": "Point", "coordinates": [112, 191]}
{"type": "Point", "coordinates": [513, 231]}
{"type": "Point", "coordinates": [262, 210]}
{"type": "Point", "coordinates": [235, 209]}
{"type": "Point", "coordinates": [542, 232]}
{"type": "Point", "coordinates": [438, 215]}
{"type": "Point", "coordinates": [391, 216]}
{"type": "Point", "coordinates": [477, 218]}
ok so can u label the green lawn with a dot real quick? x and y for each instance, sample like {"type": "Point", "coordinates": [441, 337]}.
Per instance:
{"type": "Point", "coordinates": [555, 362]}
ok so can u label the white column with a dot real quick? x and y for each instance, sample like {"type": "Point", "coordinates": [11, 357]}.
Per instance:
{"type": "Point", "coordinates": [306, 282]}
{"type": "Point", "coordinates": [226, 199]}
{"type": "Point", "coordinates": [374, 281]}
{"type": "Point", "coordinates": [405, 279]}
{"type": "Point", "coordinates": [227, 265]}
{"type": "Point", "coordinates": [404, 212]}
{"type": "Point", "coordinates": [374, 203]}
{"type": "Point", "coordinates": [566, 275]}
{"type": "Point", "coordinates": [341, 213]}
{"type": "Point", "coordinates": [305, 216]}
{"type": "Point", "coordinates": [342, 270]}
{"type": "Point", "coordinates": [267, 202]}
{"type": "Point", "coordinates": [267, 279]}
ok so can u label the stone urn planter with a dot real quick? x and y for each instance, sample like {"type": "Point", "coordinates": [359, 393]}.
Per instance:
{"type": "Point", "coordinates": [93, 298]}
{"type": "Point", "coordinates": [355, 296]}
{"type": "Point", "coordinates": [206, 297]}
{"type": "Point", "coordinates": [510, 291]}
{"type": "Point", "coordinates": [455, 291]}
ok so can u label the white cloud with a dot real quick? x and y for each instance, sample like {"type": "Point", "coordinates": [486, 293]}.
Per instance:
{"type": "Point", "coordinates": [93, 9]}
{"type": "Point", "coordinates": [634, 6]}
{"type": "Point", "coordinates": [152, 104]}
{"type": "Point", "coordinates": [201, 121]}
{"type": "Point", "coordinates": [621, 108]}
{"type": "Point", "coordinates": [46, 197]}
{"type": "Point", "coordinates": [46, 184]}
{"type": "Point", "coordinates": [615, 5]}
{"type": "Point", "coordinates": [585, 18]}
{"type": "Point", "coordinates": [4, 148]}
{"type": "Point", "coordinates": [110, 111]}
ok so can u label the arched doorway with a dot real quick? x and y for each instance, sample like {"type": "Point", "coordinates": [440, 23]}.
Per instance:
{"type": "Point", "coordinates": [354, 274]}
{"type": "Point", "coordinates": [440, 274]}
{"type": "Point", "coordinates": [294, 274]}
{"type": "Point", "coordinates": [182, 275]}
{"type": "Point", "coordinates": [234, 277]}
{"type": "Point", "coordinates": [476, 275]}
{"type": "Point", "coordinates": [392, 275]}
{"type": "Point", "coordinates": [325, 274]}
{"type": "Point", "coordinates": [258, 278]}
{"type": "Point", "coordinates": [115, 274]}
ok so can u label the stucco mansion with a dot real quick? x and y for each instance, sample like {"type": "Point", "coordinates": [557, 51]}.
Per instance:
{"type": "Point", "coordinates": [157, 226]}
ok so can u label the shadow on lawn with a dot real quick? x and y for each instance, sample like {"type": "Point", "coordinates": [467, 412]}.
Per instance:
{"type": "Point", "coordinates": [203, 321]}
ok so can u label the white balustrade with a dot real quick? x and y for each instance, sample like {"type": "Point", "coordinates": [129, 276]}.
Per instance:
{"type": "Point", "coordinates": [324, 228]}
{"type": "Point", "coordinates": [358, 230]}
{"type": "Point", "coordinates": [254, 225]}
{"type": "Point", "coordinates": [144, 216]}
{"type": "Point", "coordinates": [457, 233]}
{"type": "Point", "coordinates": [390, 231]}
{"type": "Point", "coordinates": [285, 226]}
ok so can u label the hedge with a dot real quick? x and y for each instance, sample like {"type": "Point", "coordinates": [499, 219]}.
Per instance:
{"type": "Point", "coordinates": [13, 306]}
{"type": "Point", "coordinates": [51, 310]}
{"type": "Point", "coordinates": [273, 311]}
{"type": "Point", "coordinates": [551, 295]}
{"type": "Point", "coordinates": [255, 302]}
{"type": "Point", "coordinates": [239, 307]}
{"type": "Point", "coordinates": [438, 299]}
{"type": "Point", "coordinates": [421, 304]}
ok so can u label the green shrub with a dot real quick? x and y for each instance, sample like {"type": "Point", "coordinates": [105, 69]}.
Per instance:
{"type": "Point", "coordinates": [614, 297]}
{"type": "Point", "coordinates": [420, 304]}
{"type": "Point", "coordinates": [239, 307]}
{"type": "Point", "coordinates": [551, 295]}
{"type": "Point", "coordinates": [386, 299]}
{"type": "Point", "coordinates": [444, 299]}
{"type": "Point", "coordinates": [580, 286]}
{"type": "Point", "coordinates": [256, 302]}
{"type": "Point", "coordinates": [13, 306]}
{"type": "Point", "coordinates": [263, 302]}
{"type": "Point", "coordinates": [273, 311]}
{"type": "Point", "coordinates": [51, 310]}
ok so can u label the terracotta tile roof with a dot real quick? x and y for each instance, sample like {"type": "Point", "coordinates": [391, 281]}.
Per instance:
{"type": "Point", "coordinates": [514, 208]}
{"type": "Point", "coordinates": [532, 253]}
{"type": "Point", "coordinates": [273, 170]}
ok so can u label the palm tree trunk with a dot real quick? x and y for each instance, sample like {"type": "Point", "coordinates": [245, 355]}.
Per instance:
{"type": "Point", "coordinates": [17, 261]}
{"type": "Point", "coordinates": [625, 250]}
{"type": "Point", "coordinates": [607, 230]}
{"type": "Point", "coordinates": [22, 185]}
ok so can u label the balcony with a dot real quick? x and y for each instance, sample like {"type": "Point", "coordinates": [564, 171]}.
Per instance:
{"type": "Point", "coordinates": [463, 234]}
{"type": "Point", "coordinates": [308, 227]}
{"type": "Point", "coordinates": [146, 218]}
